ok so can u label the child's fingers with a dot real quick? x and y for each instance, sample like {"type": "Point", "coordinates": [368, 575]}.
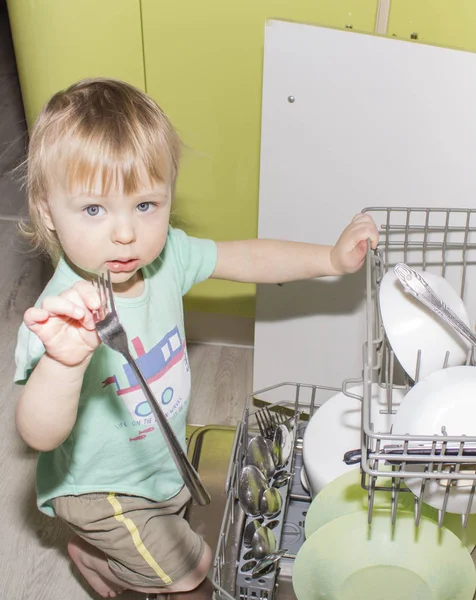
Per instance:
{"type": "Point", "coordinates": [371, 233]}
{"type": "Point", "coordinates": [88, 294]}
{"type": "Point", "coordinates": [364, 229]}
{"type": "Point", "coordinates": [63, 306]}
{"type": "Point", "coordinates": [84, 295]}
{"type": "Point", "coordinates": [75, 303]}
{"type": "Point", "coordinates": [361, 217]}
{"type": "Point", "coordinates": [362, 249]}
{"type": "Point", "coordinates": [35, 315]}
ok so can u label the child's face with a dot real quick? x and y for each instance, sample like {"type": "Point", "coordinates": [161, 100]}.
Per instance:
{"type": "Point", "coordinates": [116, 231]}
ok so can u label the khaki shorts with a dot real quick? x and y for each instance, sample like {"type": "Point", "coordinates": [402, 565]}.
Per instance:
{"type": "Point", "coordinates": [147, 543]}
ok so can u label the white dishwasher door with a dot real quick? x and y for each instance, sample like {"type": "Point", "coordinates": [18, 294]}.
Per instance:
{"type": "Point", "coordinates": [349, 121]}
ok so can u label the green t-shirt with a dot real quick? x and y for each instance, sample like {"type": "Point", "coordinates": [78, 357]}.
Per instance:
{"type": "Point", "coordinates": [115, 444]}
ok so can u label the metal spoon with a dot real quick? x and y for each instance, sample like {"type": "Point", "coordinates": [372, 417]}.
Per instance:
{"type": "Point", "coordinates": [290, 422]}
{"type": "Point", "coordinates": [271, 502]}
{"type": "Point", "coordinates": [258, 454]}
{"type": "Point", "coordinates": [263, 542]}
{"type": "Point", "coordinates": [282, 445]}
{"type": "Point", "coordinates": [251, 486]}
{"type": "Point", "coordinates": [250, 531]}
{"type": "Point", "coordinates": [269, 443]}
{"type": "Point", "coordinates": [280, 479]}
{"type": "Point", "coordinates": [267, 564]}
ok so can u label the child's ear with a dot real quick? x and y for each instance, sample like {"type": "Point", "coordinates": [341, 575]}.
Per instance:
{"type": "Point", "coordinates": [46, 215]}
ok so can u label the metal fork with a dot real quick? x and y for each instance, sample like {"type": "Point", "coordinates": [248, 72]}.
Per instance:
{"type": "Point", "coordinates": [113, 335]}
{"type": "Point", "coordinates": [266, 423]}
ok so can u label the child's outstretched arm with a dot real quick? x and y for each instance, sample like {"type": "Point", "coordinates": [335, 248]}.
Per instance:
{"type": "Point", "coordinates": [275, 261]}
{"type": "Point", "coordinates": [47, 406]}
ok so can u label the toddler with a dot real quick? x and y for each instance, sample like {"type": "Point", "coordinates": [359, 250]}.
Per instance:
{"type": "Point", "coordinates": [102, 165]}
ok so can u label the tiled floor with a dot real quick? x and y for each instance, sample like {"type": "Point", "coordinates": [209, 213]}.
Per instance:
{"type": "Point", "coordinates": [33, 560]}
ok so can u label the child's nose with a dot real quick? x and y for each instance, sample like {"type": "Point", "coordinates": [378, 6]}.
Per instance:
{"type": "Point", "coordinates": [123, 231]}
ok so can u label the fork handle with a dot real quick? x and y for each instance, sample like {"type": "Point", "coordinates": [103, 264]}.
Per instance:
{"type": "Point", "coordinates": [416, 285]}
{"type": "Point", "coordinates": [189, 474]}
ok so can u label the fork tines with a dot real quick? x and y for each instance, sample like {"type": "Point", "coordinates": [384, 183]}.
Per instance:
{"type": "Point", "coordinates": [106, 297]}
{"type": "Point", "coordinates": [266, 422]}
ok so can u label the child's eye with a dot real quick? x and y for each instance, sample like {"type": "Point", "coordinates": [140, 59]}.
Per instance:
{"type": "Point", "coordinates": [94, 210]}
{"type": "Point", "coordinates": [144, 206]}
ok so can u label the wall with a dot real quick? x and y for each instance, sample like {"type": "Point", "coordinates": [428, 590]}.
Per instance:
{"type": "Point", "coordinates": [204, 66]}
{"type": "Point", "coordinates": [445, 22]}
{"type": "Point", "coordinates": [57, 43]}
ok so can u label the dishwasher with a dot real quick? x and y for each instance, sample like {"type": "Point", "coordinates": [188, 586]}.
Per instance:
{"type": "Point", "coordinates": [438, 240]}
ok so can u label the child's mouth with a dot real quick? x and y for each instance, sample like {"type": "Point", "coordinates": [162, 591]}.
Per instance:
{"type": "Point", "coordinates": [122, 266]}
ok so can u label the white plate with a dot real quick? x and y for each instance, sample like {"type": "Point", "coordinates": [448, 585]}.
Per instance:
{"type": "Point", "coordinates": [335, 428]}
{"type": "Point", "coordinates": [410, 326]}
{"type": "Point", "coordinates": [446, 398]}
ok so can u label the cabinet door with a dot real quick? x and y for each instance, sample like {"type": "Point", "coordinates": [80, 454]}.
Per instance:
{"type": "Point", "coordinates": [444, 22]}
{"type": "Point", "coordinates": [57, 43]}
{"type": "Point", "coordinates": [204, 67]}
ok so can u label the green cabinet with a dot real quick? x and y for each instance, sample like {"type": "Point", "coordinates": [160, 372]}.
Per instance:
{"type": "Point", "coordinates": [444, 22]}
{"type": "Point", "coordinates": [58, 43]}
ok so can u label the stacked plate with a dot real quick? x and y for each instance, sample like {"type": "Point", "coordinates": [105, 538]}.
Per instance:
{"type": "Point", "coordinates": [442, 402]}
{"type": "Point", "coordinates": [336, 428]}
{"type": "Point", "coordinates": [412, 328]}
{"type": "Point", "coordinates": [345, 557]}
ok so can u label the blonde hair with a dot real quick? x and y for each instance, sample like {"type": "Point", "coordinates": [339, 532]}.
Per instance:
{"type": "Point", "coordinates": [97, 130]}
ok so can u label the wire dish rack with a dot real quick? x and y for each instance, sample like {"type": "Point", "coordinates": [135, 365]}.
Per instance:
{"type": "Point", "coordinates": [442, 241]}
{"type": "Point", "coordinates": [232, 574]}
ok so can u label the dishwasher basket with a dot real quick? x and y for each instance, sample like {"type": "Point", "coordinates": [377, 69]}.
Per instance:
{"type": "Point", "coordinates": [232, 578]}
{"type": "Point", "coordinates": [442, 241]}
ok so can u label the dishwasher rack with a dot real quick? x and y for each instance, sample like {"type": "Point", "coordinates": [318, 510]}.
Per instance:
{"type": "Point", "coordinates": [442, 241]}
{"type": "Point", "coordinates": [231, 570]}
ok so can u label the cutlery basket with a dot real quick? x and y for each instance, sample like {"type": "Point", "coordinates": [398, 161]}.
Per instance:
{"type": "Point", "coordinates": [441, 241]}
{"type": "Point", "coordinates": [233, 562]}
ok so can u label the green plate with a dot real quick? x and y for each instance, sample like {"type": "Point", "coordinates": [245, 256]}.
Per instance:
{"type": "Point", "coordinates": [348, 559]}
{"type": "Point", "coordinates": [345, 496]}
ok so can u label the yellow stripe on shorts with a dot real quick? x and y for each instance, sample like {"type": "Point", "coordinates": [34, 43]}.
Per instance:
{"type": "Point", "coordinates": [138, 543]}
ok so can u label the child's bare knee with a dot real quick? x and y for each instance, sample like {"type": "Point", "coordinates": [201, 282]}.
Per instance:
{"type": "Point", "coordinates": [197, 576]}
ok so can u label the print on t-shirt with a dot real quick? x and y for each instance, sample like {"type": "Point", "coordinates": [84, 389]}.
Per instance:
{"type": "Point", "coordinates": [166, 369]}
